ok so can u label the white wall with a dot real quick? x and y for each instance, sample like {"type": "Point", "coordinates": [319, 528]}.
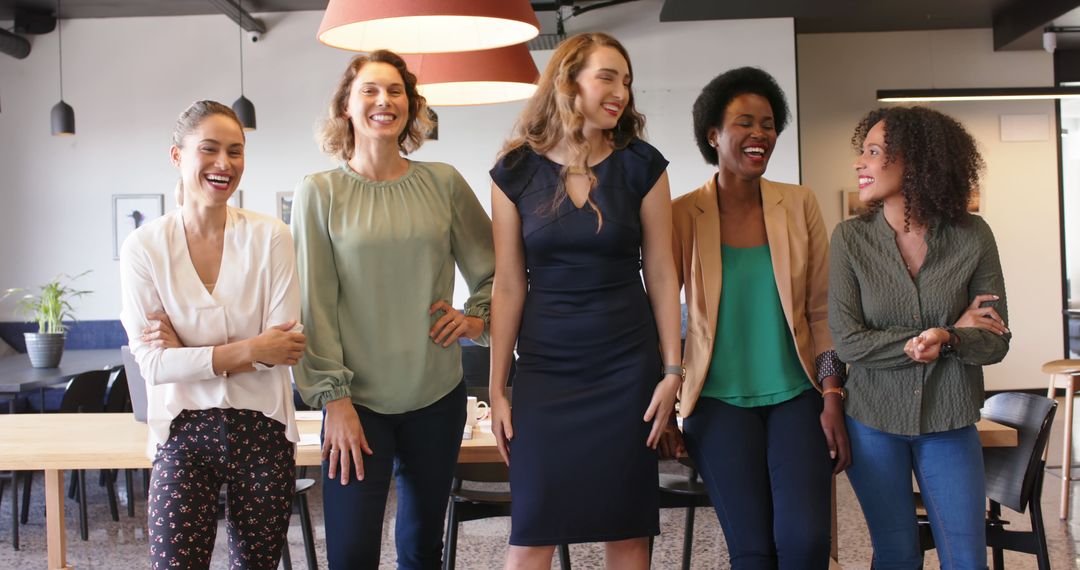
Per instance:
{"type": "Point", "coordinates": [128, 79]}
{"type": "Point", "coordinates": [838, 77]}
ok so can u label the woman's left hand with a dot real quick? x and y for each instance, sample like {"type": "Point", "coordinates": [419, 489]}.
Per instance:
{"type": "Point", "coordinates": [661, 406]}
{"type": "Point", "coordinates": [927, 346]}
{"type": "Point", "coordinates": [159, 333]}
{"type": "Point", "coordinates": [453, 324]}
{"type": "Point", "coordinates": [832, 423]}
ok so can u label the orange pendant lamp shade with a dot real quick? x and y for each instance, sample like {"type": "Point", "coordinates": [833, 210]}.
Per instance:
{"type": "Point", "coordinates": [427, 26]}
{"type": "Point", "coordinates": [475, 77]}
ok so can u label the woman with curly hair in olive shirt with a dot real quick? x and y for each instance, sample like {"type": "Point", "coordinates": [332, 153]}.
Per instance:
{"type": "Point", "coordinates": [917, 307]}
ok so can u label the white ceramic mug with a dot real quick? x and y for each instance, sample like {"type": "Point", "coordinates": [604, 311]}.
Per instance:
{"type": "Point", "coordinates": [476, 410]}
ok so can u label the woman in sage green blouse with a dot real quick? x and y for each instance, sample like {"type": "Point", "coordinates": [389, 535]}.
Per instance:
{"type": "Point", "coordinates": [377, 241]}
{"type": "Point", "coordinates": [917, 307]}
{"type": "Point", "coordinates": [762, 398]}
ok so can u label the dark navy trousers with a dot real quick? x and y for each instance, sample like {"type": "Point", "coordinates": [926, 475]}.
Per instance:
{"type": "Point", "coordinates": [768, 473]}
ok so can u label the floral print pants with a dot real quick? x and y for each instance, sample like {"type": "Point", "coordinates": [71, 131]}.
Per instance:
{"type": "Point", "coordinates": [241, 449]}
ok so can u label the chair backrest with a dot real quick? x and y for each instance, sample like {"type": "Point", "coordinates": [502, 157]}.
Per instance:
{"type": "Point", "coordinates": [482, 472]}
{"type": "Point", "coordinates": [1011, 472]}
{"type": "Point", "coordinates": [85, 392]}
{"type": "Point", "coordinates": [135, 383]}
{"type": "Point", "coordinates": [476, 366]}
{"type": "Point", "coordinates": [117, 398]}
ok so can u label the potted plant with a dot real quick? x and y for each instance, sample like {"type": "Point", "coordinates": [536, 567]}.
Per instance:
{"type": "Point", "coordinates": [48, 308]}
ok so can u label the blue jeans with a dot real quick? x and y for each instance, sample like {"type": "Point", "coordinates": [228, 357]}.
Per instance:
{"type": "Point", "coordinates": [419, 447]}
{"type": "Point", "coordinates": [768, 473]}
{"type": "Point", "coordinates": [949, 468]}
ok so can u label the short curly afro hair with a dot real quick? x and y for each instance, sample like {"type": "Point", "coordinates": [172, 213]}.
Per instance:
{"type": "Point", "coordinates": [941, 161]}
{"type": "Point", "coordinates": [714, 99]}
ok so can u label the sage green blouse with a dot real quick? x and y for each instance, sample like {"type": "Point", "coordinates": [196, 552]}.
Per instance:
{"type": "Point", "coordinates": [372, 258]}
{"type": "Point", "coordinates": [875, 307]}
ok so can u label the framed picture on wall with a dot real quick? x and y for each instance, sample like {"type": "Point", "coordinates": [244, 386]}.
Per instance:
{"type": "Point", "coordinates": [132, 211]}
{"type": "Point", "coordinates": [237, 199]}
{"type": "Point", "coordinates": [850, 204]}
{"type": "Point", "coordinates": [975, 202]}
{"type": "Point", "coordinates": [284, 207]}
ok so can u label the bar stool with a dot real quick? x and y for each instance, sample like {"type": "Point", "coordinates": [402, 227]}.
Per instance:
{"type": "Point", "coordinates": [1064, 374]}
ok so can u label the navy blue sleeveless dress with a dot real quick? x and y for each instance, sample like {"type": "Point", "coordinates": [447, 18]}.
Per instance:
{"type": "Point", "coordinates": [588, 356]}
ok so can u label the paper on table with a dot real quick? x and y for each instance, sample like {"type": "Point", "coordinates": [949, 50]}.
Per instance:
{"type": "Point", "coordinates": [309, 439]}
{"type": "Point", "coordinates": [308, 415]}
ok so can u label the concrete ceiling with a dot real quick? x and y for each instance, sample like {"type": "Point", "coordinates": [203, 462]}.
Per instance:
{"type": "Point", "coordinates": [1019, 23]}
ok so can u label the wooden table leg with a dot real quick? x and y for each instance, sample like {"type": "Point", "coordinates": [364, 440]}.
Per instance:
{"type": "Point", "coordinates": [55, 533]}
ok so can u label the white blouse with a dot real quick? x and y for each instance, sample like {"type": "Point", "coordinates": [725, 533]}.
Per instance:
{"type": "Point", "coordinates": [256, 288]}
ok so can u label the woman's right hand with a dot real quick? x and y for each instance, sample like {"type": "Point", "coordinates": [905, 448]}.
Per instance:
{"type": "Point", "coordinates": [344, 443]}
{"type": "Point", "coordinates": [501, 426]}
{"type": "Point", "coordinates": [276, 345]}
{"type": "Point", "coordinates": [979, 317]}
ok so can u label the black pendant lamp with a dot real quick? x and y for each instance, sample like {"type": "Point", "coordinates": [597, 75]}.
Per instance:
{"type": "Point", "coordinates": [63, 116]}
{"type": "Point", "coordinates": [243, 107]}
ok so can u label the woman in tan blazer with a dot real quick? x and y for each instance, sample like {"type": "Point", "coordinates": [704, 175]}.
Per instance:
{"type": "Point", "coordinates": [762, 399]}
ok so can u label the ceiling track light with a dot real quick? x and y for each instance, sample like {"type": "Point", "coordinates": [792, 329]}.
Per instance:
{"type": "Point", "coordinates": [977, 94]}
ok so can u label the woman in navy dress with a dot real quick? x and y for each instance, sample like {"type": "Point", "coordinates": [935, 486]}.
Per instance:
{"type": "Point", "coordinates": [581, 210]}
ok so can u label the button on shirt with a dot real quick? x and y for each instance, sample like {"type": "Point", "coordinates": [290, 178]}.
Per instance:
{"type": "Point", "coordinates": [875, 307]}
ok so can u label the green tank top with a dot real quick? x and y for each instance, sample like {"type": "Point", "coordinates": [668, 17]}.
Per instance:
{"type": "Point", "coordinates": [754, 361]}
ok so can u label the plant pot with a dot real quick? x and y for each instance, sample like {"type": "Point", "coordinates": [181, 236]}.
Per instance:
{"type": "Point", "coordinates": [44, 349]}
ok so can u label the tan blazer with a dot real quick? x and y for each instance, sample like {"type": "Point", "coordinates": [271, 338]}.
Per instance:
{"type": "Point", "coordinates": [800, 258]}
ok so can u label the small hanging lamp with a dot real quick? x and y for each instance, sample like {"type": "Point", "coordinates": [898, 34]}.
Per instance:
{"type": "Point", "coordinates": [63, 116]}
{"type": "Point", "coordinates": [427, 26]}
{"type": "Point", "coordinates": [243, 107]}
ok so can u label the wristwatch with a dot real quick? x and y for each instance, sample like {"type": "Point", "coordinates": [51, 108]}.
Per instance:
{"type": "Point", "coordinates": [676, 369]}
{"type": "Point", "coordinates": [948, 347]}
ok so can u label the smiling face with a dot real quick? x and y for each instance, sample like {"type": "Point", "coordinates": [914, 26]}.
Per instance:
{"type": "Point", "coordinates": [880, 179]}
{"type": "Point", "coordinates": [603, 88]}
{"type": "Point", "coordinates": [211, 160]}
{"type": "Point", "coordinates": [745, 140]}
{"type": "Point", "coordinates": [378, 106]}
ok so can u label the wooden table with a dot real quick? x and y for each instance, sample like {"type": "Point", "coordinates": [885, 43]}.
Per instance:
{"type": "Point", "coordinates": [55, 442]}
{"type": "Point", "coordinates": [17, 376]}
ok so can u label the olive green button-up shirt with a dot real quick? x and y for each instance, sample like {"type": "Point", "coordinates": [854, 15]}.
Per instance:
{"type": "Point", "coordinates": [875, 307]}
{"type": "Point", "coordinates": [372, 258]}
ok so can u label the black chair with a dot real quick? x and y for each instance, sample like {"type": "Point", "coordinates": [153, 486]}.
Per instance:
{"type": "Point", "coordinates": [679, 491]}
{"type": "Point", "coordinates": [85, 393]}
{"type": "Point", "coordinates": [300, 499]}
{"type": "Point", "coordinates": [1014, 476]}
{"type": "Point", "coordinates": [118, 401]}
{"type": "Point", "coordinates": [472, 504]}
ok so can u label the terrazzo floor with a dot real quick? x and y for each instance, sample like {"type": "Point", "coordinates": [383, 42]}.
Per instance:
{"type": "Point", "coordinates": [482, 544]}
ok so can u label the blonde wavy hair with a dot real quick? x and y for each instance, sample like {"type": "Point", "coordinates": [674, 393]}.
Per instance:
{"type": "Point", "coordinates": [550, 117]}
{"type": "Point", "coordinates": [336, 137]}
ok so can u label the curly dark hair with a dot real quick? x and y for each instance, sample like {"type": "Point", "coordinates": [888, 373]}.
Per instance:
{"type": "Point", "coordinates": [941, 162]}
{"type": "Point", "coordinates": [714, 99]}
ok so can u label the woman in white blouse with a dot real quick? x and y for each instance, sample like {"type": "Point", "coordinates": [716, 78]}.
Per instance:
{"type": "Point", "coordinates": [210, 306]}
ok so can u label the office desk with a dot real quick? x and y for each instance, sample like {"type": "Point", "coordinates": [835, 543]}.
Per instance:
{"type": "Point", "coordinates": [17, 376]}
{"type": "Point", "coordinates": [55, 442]}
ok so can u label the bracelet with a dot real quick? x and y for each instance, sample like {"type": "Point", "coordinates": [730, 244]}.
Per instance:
{"type": "Point", "coordinates": [675, 369]}
{"type": "Point", "coordinates": [835, 390]}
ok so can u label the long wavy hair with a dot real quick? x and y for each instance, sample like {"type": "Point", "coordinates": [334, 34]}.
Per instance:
{"type": "Point", "coordinates": [336, 137]}
{"type": "Point", "coordinates": [941, 162]}
{"type": "Point", "coordinates": [550, 117]}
